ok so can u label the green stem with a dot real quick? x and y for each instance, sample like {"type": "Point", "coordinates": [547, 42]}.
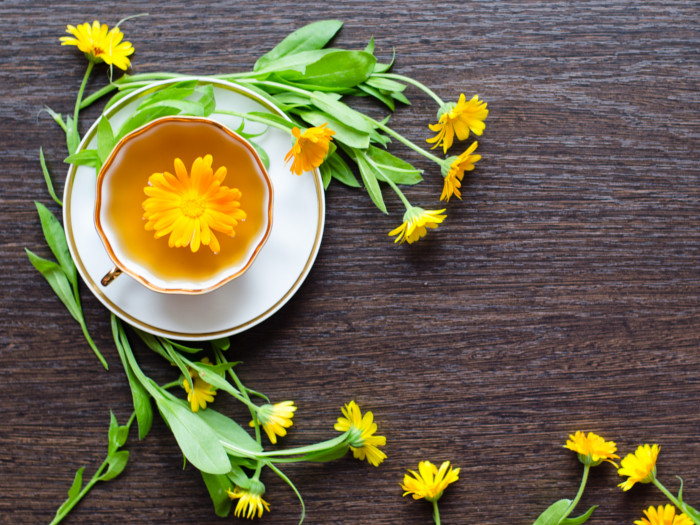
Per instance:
{"type": "Point", "coordinates": [396, 189]}
{"type": "Point", "coordinates": [436, 513]}
{"type": "Point", "coordinates": [289, 482]}
{"type": "Point", "coordinates": [405, 141]}
{"type": "Point", "coordinates": [79, 98]}
{"type": "Point", "coordinates": [410, 80]}
{"type": "Point", "coordinates": [686, 509]}
{"type": "Point", "coordinates": [64, 511]}
{"type": "Point", "coordinates": [88, 338]}
{"type": "Point", "coordinates": [584, 479]}
{"type": "Point", "coordinates": [247, 116]}
{"type": "Point", "coordinates": [172, 384]}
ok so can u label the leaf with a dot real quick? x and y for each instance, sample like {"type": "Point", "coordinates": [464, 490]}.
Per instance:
{"type": "Point", "coordinates": [217, 485]}
{"type": "Point", "coordinates": [342, 112]}
{"type": "Point", "coordinates": [554, 513]}
{"type": "Point", "coordinates": [228, 430]}
{"type": "Point", "coordinates": [72, 135]}
{"type": "Point", "coordinates": [334, 166]}
{"type": "Point", "coordinates": [86, 157]}
{"type": "Point", "coordinates": [295, 62]}
{"type": "Point", "coordinates": [237, 476]}
{"type": "Point", "coordinates": [310, 37]}
{"type": "Point", "coordinates": [105, 139]}
{"type": "Point", "coordinates": [583, 518]}
{"type": "Point", "coordinates": [382, 68]}
{"type": "Point", "coordinates": [264, 157]}
{"type": "Point", "coordinates": [56, 239]}
{"type": "Point", "coordinates": [116, 435]}
{"type": "Point", "coordinates": [198, 442]}
{"type": "Point", "coordinates": [47, 178]}
{"type": "Point", "coordinates": [370, 46]}
{"type": "Point", "coordinates": [56, 117]}
{"type": "Point", "coordinates": [369, 177]}
{"type": "Point", "coordinates": [397, 170]}
{"type": "Point", "coordinates": [223, 343]}
{"type": "Point", "coordinates": [58, 281]}
{"type": "Point", "coordinates": [117, 462]}
{"type": "Point", "coordinates": [388, 100]}
{"type": "Point", "coordinates": [177, 91]}
{"type": "Point", "coordinates": [385, 84]}
{"type": "Point", "coordinates": [290, 100]}
{"type": "Point", "coordinates": [271, 120]}
{"type": "Point", "coordinates": [207, 100]}
{"type": "Point", "coordinates": [345, 134]}
{"type": "Point", "coordinates": [144, 116]}
{"type": "Point", "coordinates": [73, 492]}
{"type": "Point", "coordinates": [335, 70]}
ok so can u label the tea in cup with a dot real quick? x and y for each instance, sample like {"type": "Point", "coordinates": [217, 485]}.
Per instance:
{"type": "Point", "coordinates": [184, 205]}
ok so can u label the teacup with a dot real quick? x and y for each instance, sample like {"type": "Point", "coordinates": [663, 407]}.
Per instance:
{"type": "Point", "coordinates": [178, 226]}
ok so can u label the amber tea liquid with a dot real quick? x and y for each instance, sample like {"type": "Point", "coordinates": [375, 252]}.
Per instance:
{"type": "Point", "coordinates": [154, 150]}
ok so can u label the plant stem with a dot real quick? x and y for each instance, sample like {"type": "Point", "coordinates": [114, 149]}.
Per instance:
{"type": "Point", "coordinates": [92, 344]}
{"type": "Point", "coordinates": [686, 509]}
{"type": "Point", "coordinates": [410, 80]}
{"type": "Point", "coordinates": [584, 479]}
{"type": "Point", "coordinates": [79, 98]}
{"type": "Point", "coordinates": [405, 141]}
{"type": "Point", "coordinates": [247, 116]}
{"type": "Point", "coordinates": [396, 189]}
{"type": "Point", "coordinates": [64, 511]}
{"type": "Point", "coordinates": [436, 513]}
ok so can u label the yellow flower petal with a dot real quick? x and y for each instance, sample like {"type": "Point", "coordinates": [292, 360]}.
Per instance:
{"type": "Point", "coordinates": [310, 149]}
{"type": "Point", "coordinates": [429, 482]}
{"type": "Point", "coordinates": [415, 222]}
{"type": "Point", "coordinates": [276, 419]}
{"type": "Point", "coordinates": [663, 516]}
{"type": "Point", "coordinates": [640, 467]}
{"type": "Point", "coordinates": [591, 448]}
{"type": "Point", "coordinates": [363, 442]}
{"type": "Point", "coordinates": [100, 44]}
{"type": "Point", "coordinates": [459, 119]}
{"type": "Point", "coordinates": [188, 207]}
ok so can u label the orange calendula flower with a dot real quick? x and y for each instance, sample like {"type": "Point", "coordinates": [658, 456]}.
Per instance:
{"type": "Point", "coordinates": [458, 119]}
{"type": "Point", "coordinates": [640, 466]}
{"type": "Point", "coordinates": [429, 482]}
{"type": "Point", "coordinates": [663, 516]}
{"type": "Point", "coordinates": [276, 419]}
{"type": "Point", "coordinates": [361, 439]}
{"type": "Point", "coordinates": [454, 176]}
{"type": "Point", "coordinates": [100, 44]}
{"type": "Point", "coordinates": [250, 500]}
{"type": "Point", "coordinates": [202, 393]}
{"type": "Point", "coordinates": [191, 208]}
{"type": "Point", "coordinates": [415, 222]}
{"type": "Point", "coordinates": [310, 148]}
{"type": "Point", "coordinates": [592, 449]}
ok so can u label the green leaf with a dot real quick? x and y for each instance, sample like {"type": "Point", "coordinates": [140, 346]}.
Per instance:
{"type": "Point", "coordinates": [217, 485]}
{"type": "Point", "coordinates": [72, 135]}
{"type": "Point", "coordinates": [207, 100]}
{"type": "Point", "coordinates": [334, 166]}
{"type": "Point", "coordinates": [59, 283]}
{"type": "Point", "coordinates": [295, 62]}
{"type": "Point", "coordinates": [123, 92]}
{"type": "Point", "coordinates": [343, 133]}
{"type": "Point", "coordinates": [105, 139]}
{"type": "Point", "coordinates": [264, 157]}
{"type": "Point", "coordinates": [116, 464]}
{"type": "Point", "coordinates": [342, 112]}
{"type": "Point", "coordinates": [177, 91]}
{"type": "Point", "coordinates": [554, 513]}
{"type": "Point", "coordinates": [338, 69]}
{"type": "Point", "coordinates": [385, 84]}
{"type": "Point", "coordinates": [388, 100]}
{"type": "Point", "coordinates": [290, 100]}
{"type": "Point", "coordinates": [310, 37]}
{"type": "Point", "coordinates": [382, 68]}
{"type": "Point", "coordinates": [397, 170]}
{"type": "Point", "coordinates": [324, 456]}
{"type": "Point", "coordinates": [237, 476]}
{"type": "Point", "coordinates": [86, 157]}
{"type": "Point", "coordinates": [370, 46]}
{"type": "Point", "coordinates": [56, 239]}
{"type": "Point", "coordinates": [230, 431]}
{"type": "Point", "coordinates": [116, 435]}
{"type": "Point", "coordinates": [401, 98]}
{"type": "Point", "coordinates": [73, 492]}
{"type": "Point", "coordinates": [56, 117]}
{"type": "Point", "coordinates": [223, 343]}
{"type": "Point", "coordinates": [271, 120]}
{"type": "Point", "coordinates": [144, 116]}
{"type": "Point", "coordinates": [47, 178]}
{"type": "Point", "coordinates": [583, 518]}
{"type": "Point", "coordinates": [369, 178]}
{"type": "Point", "coordinates": [198, 442]}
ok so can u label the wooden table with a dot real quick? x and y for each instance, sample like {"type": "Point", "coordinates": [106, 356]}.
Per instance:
{"type": "Point", "coordinates": [561, 294]}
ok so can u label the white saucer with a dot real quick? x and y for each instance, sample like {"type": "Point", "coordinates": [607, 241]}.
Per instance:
{"type": "Point", "coordinates": [276, 274]}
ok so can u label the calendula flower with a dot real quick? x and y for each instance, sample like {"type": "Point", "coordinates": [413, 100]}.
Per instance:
{"type": "Point", "coordinates": [361, 439]}
{"type": "Point", "coordinates": [275, 419]}
{"type": "Point", "coordinates": [592, 449]}
{"type": "Point", "coordinates": [663, 516]}
{"type": "Point", "coordinates": [250, 500]}
{"type": "Point", "coordinates": [310, 148]}
{"type": "Point", "coordinates": [202, 393]}
{"type": "Point", "coordinates": [453, 177]}
{"type": "Point", "coordinates": [459, 119]}
{"type": "Point", "coordinates": [640, 466]}
{"type": "Point", "coordinates": [415, 222]}
{"type": "Point", "coordinates": [100, 44]}
{"type": "Point", "coordinates": [190, 208]}
{"type": "Point", "coordinates": [429, 482]}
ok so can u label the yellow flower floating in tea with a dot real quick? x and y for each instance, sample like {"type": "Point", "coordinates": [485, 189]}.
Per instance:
{"type": "Point", "coordinates": [190, 207]}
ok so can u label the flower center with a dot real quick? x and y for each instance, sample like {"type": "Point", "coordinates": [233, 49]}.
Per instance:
{"type": "Point", "coordinates": [192, 206]}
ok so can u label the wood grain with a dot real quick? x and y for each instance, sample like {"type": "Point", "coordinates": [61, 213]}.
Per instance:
{"type": "Point", "coordinates": [562, 293]}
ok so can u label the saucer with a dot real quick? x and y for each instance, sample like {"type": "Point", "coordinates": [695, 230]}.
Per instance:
{"type": "Point", "coordinates": [277, 273]}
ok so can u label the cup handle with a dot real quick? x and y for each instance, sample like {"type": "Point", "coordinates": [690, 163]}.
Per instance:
{"type": "Point", "coordinates": [110, 276]}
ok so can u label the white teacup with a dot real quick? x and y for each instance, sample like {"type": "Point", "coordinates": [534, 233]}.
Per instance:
{"type": "Point", "coordinates": [151, 256]}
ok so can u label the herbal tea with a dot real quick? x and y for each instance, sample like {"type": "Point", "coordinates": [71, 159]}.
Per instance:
{"type": "Point", "coordinates": [154, 149]}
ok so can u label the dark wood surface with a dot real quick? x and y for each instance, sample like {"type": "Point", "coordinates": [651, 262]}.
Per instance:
{"type": "Point", "coordinates": [562, 293]}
